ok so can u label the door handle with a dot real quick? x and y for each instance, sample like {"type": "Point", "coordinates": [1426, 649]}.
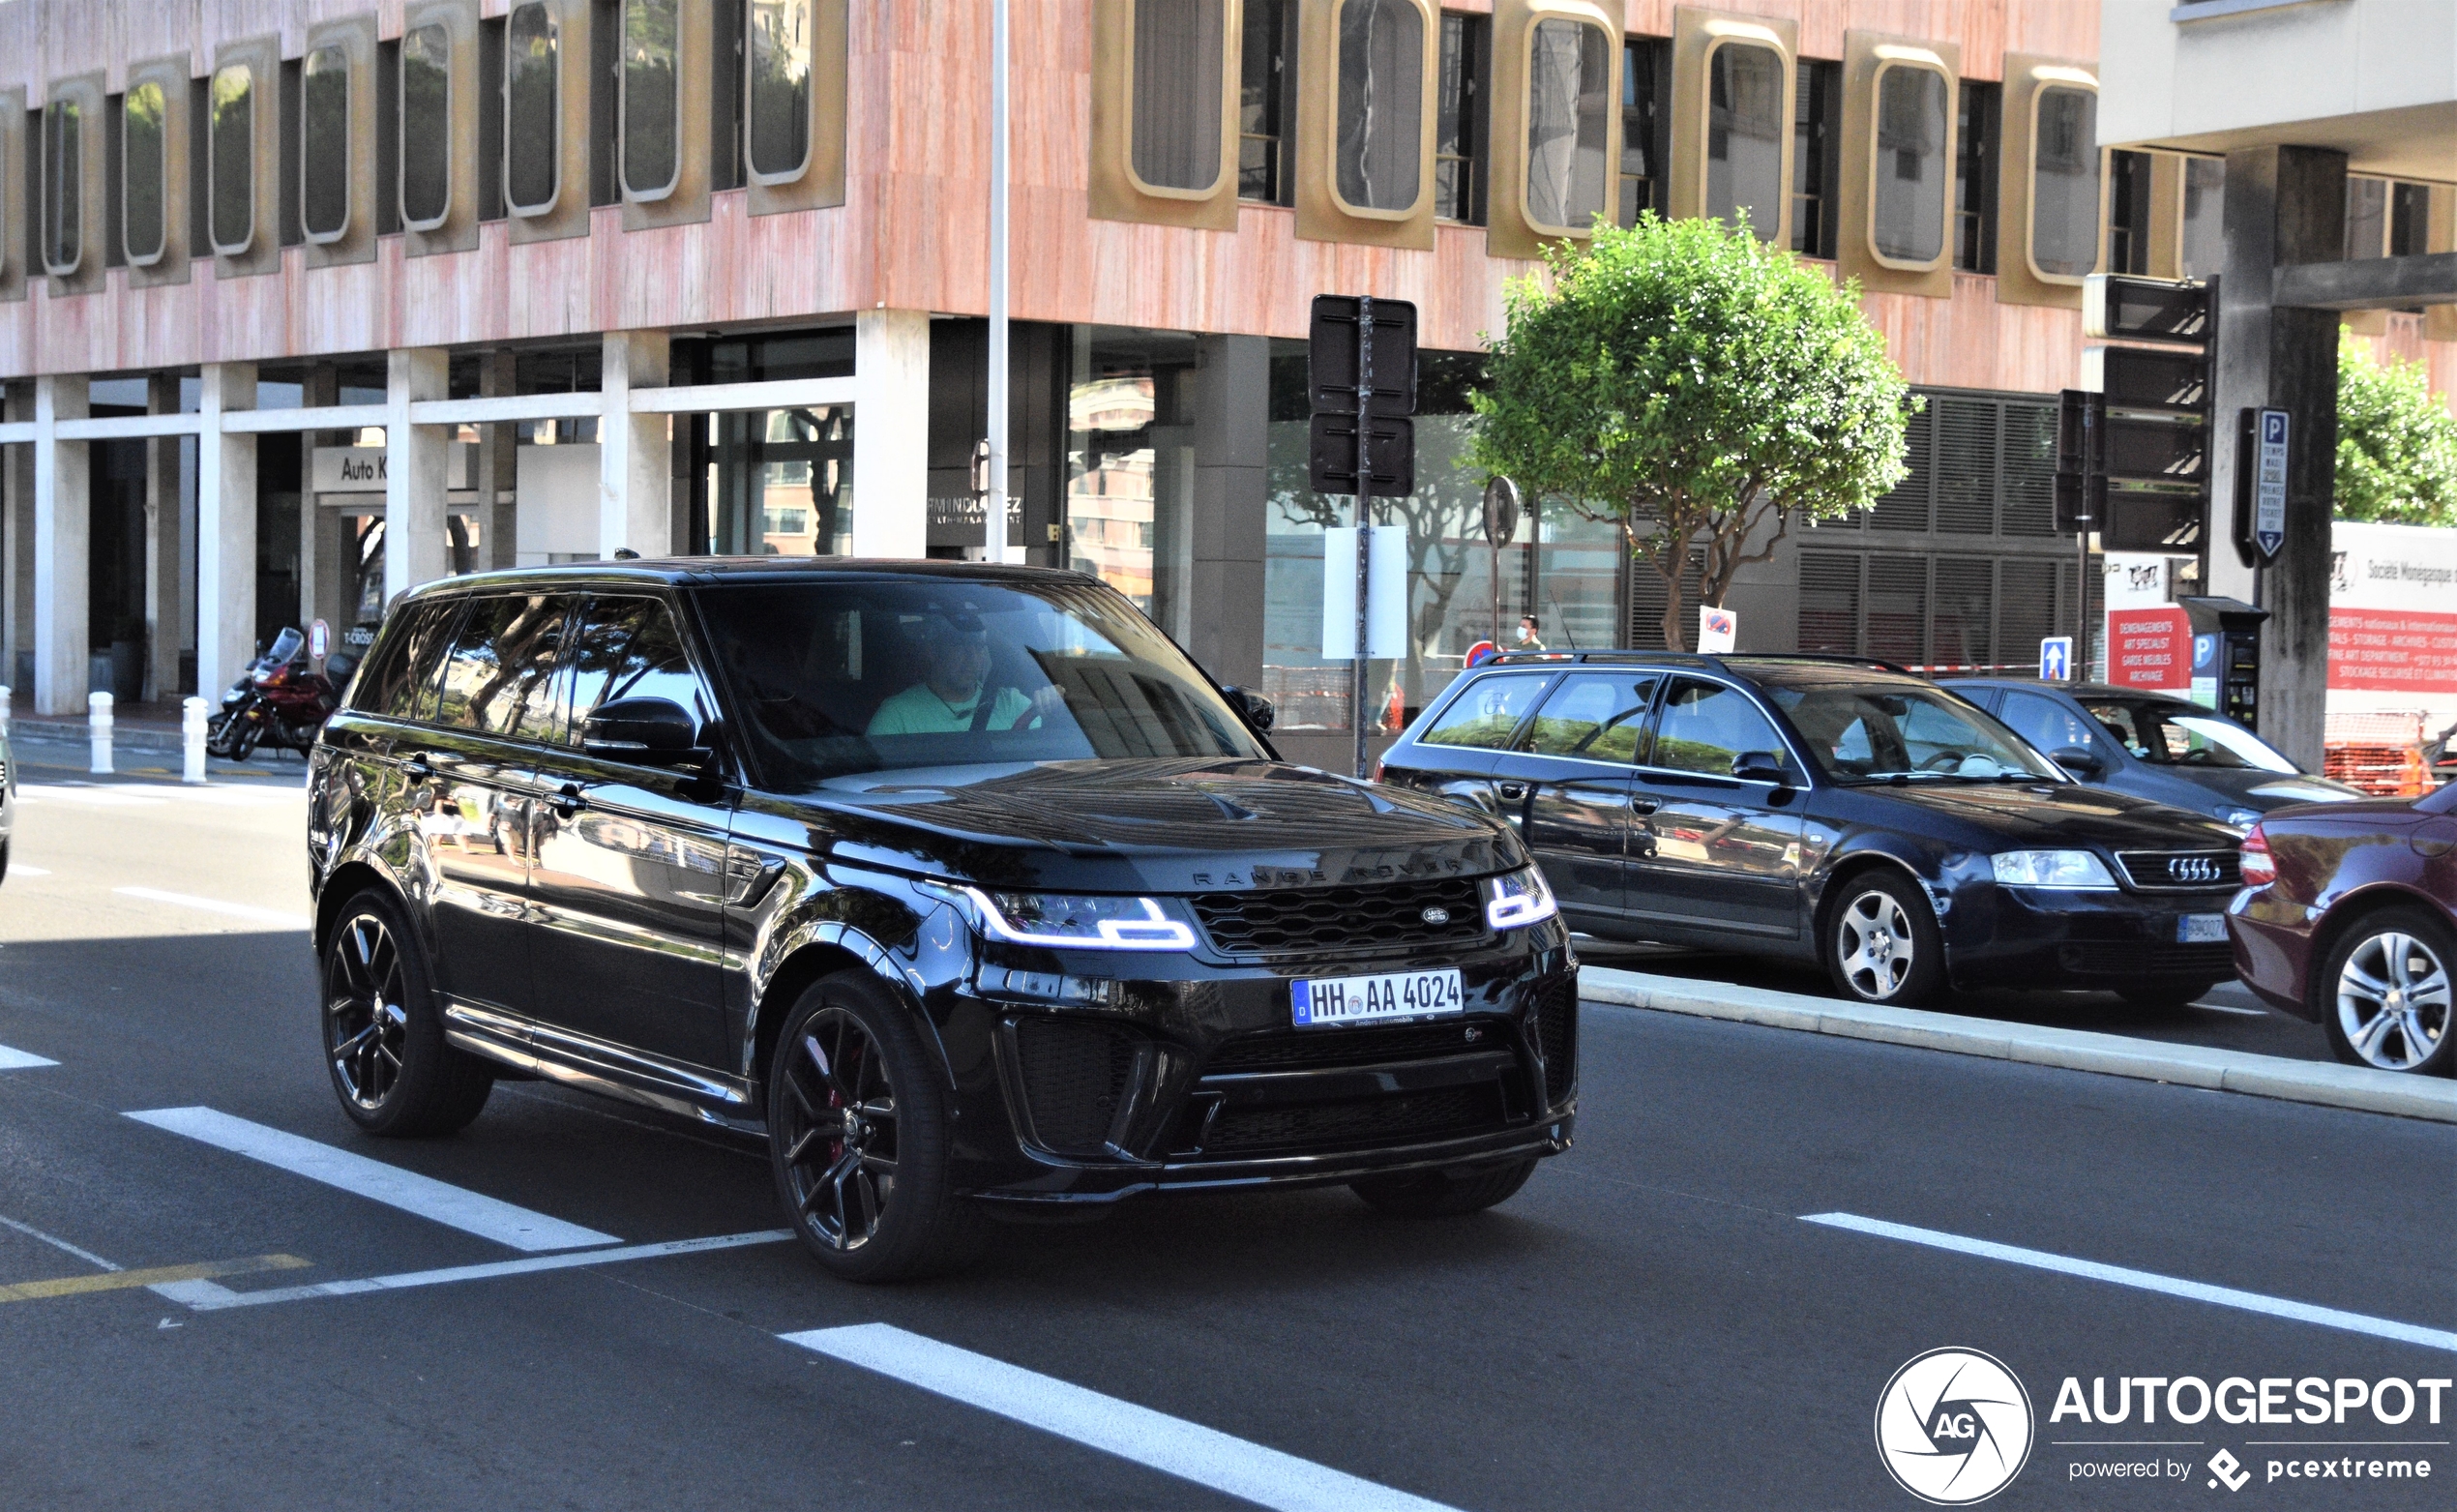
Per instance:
{"type": "Point", "coordinates": [569, 801]}
{"type": "Point", "coordinates": [1512, 793]}
{"type": "Point", "coordinates": [1645, 805]}
{"type": "Point", "coordinates": [417, 768]}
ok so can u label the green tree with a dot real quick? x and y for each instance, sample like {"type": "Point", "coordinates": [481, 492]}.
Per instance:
{"type": "Point", "coordinates": [1693, 386]}
{"type": "Point", "coordinates": [2397, 443]}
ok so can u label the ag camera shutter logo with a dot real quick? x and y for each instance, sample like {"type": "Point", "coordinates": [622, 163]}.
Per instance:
{"type": "Point", "coordinates": [1954, 1427]}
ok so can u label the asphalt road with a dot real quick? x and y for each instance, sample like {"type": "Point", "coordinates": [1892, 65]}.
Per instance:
{"type": "Point", "coordinates": [1649, 1324]}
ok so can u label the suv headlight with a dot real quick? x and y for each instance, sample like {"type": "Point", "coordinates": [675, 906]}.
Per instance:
{"type": "Point", "coordinates": [2050, 869]}
{"type": "Point", "coordinates": [1077, 921]}
{"type": "Point", "coordinates": [1518, 899]}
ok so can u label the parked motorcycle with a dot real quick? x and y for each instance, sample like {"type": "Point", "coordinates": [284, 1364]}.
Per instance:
{"type": "Point", "coordinates": [278, 702]}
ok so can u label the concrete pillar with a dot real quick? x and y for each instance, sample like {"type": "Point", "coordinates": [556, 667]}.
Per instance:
{"type": "Point", "coordinates": [497, 475]}
{"type": "Point", "coordinates": [225, 530]}
{"type": "Point", "coordinates": [165, 627]}
{"type": "Point", "coordinates": [320, 594]}
{"type": "Point", "coordinates": [2283, 205]}
{"type": "Point", "coordinates": [891, 432]}
{"type": "Point", "coordinates": [63, 545]}
{"type": "Point", "coordinates": [16, 583]}
{"type": "Point", "coordinates": [635, 484]}
{"type": "Point", "coordinates": [415, 461]}
{"type": "Point", "coordinates": [1232, 416]}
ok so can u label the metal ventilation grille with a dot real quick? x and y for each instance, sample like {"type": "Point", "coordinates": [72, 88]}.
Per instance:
{"type": "Point", "coordinates": [1646, 599]}
{"type": "Point", "coordinates": [2025, 604]}
{"type": "Point", "coordinates": [1829, 603]}
{"type": "Point", "coordinates": [2029, 508]}
{"type": "Point", "coordinates": [1907, 507]}
{"type": "Point", "coordinates": [1314, 1050]}
{"type": "Point", "coordinates": [1966, 465]}
{"type": "Point", "coordinates": [1965, 601]}
{"type": "Point", "coordinates": [1898, 608]}
{"type": "Point", "coordinates": [1457, 1110]}
{"type": "Point", "coordinates": [1353, 921]}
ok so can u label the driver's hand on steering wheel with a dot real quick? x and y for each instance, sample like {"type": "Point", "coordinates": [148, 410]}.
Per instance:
{"type": "Point", "coordinates": [1050, 700]}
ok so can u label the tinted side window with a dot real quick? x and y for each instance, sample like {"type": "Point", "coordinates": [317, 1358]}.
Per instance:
{"type": "Point", "coordinates": [1705, 727]}
{"type": "Point", "coordinates": [1597, 716]}
{"type": "Point", "coordinates": [2048, 726]}
{"type": "Point", "coordinates": [632, 649]}
{"type": "Point", "coordinates": [402, 678]}
{"type": "Point", "coordinates": [474, 679]}
{"type": "Point", "coordinates": [1486, 713]}
{"type": "Point", "coordinates": [521, 697]}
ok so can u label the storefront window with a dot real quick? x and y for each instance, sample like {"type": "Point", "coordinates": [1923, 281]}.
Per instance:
{"type": "Point", "coordinates": [1907, 209]}
{"type": "Point", "coordinates": [324, 158]}
{"type": "Point", "coordinates": [426, 127]}
{"type": "Point", "coordinates": [1381, 104]}
{"type": "Point", "coordinates": [1131, 468]}
{"type": "Point", "coordinates": [652, 152]}
{"type": "Point", "coordinates": [533, 124]}
{"type": "Point", "coordinates": [141, 163]}
{"type": "Point", "coordinates": [1177, 83]}
{"type": "Point", "coordinates": [1569, 72]}
{"type": "Point", "coordinates": [1745, 130]}
{"type": "Point", "coordinates": [2204, 216]}
{"type": "Point", "coordinates": [233, 187]}
{"type": "Point", "coordinates": [2065, 183]}
{"type": "Point", "coordinates": [781, 481]}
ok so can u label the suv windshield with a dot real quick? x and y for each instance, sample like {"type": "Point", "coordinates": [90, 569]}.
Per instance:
{"type": "Point", "coordinates": [1897, 732]}
{"type": "Point", "coordinates": [840, 677]}
{"type": "Point", "coordinates": [2169, 734]}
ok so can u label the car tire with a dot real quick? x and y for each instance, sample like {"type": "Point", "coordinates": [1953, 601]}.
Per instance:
{"type": "Point", "coordinates": [858, 1136]}
{"type": "Point", "coordinates": [2405, 952]}
{"type": "Point", "coordinates": [1881, 944]}
{"type": "Point", "coordinates": [1453, 1192]}
{"type": "Point", "coordinates": [2162, 995]}
{"type": "Point", "coordinates": [383, 1030]}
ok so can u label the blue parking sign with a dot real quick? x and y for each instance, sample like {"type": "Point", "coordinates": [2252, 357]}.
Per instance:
{"type": "Point", "coordinates": [2056, 658]}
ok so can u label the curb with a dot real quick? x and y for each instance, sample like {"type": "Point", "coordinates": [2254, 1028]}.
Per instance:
{"type": "Point", "coordinates": [2324, 1082]}
{"type": "Point", "coordinates": [124, 737]}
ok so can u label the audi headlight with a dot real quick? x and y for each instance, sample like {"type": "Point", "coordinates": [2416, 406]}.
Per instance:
{"type": "Point", "coordinates": [1077, 921]}
{"type": "Point", "coordinates": [1518, 899]}
{"type": "Point", "coordinates": [2241, 820]}
{"type": "Point", "coordinates": [2069, 868]}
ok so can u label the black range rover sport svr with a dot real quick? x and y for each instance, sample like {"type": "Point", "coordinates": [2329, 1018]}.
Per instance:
{"type": "Point", "coordinates": [963, 883]}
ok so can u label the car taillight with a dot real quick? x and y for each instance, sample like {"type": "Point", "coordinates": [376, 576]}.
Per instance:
{"type": "Point", "coordinates": [1377, 771]}
{"type": "Point", "coordinates": [2260, 868]}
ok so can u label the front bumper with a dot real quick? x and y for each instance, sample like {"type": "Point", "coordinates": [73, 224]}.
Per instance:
{"type": "Point", "coordinates": [2047, 937]}
{"type": "Point", "coordinates": [1075, 1089]}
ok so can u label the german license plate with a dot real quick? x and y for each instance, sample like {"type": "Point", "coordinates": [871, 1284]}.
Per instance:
{"type": "Point", "coordinates": [1374, 1000]}
{"type": "Point", "coordinates": [2200, 929]}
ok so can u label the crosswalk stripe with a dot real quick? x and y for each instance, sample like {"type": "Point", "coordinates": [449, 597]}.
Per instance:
{"type": "Point", "coordinates": [22, 1060]}
{"type": "Point", "coordinates": [1186, 1450]}
{"type": "Point", "coordinates": [275, 917]}
{"type": "Point", "coordinates": [452, 1206]}
{"type": "Point", "coordinates": [207, 1296]}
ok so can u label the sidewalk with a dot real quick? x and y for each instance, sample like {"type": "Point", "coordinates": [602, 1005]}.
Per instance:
{"type": "Point", "coordinates": [151, 727]}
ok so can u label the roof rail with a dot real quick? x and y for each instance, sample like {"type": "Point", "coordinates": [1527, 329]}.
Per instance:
{"type": "Point", "coordinates": [1836, 658]}
{"type": "Point", "coordinates": [1532, 658]}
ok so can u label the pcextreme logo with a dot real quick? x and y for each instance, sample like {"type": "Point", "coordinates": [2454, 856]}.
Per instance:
{"type": "Point", "coordinates": [1954, 1427]}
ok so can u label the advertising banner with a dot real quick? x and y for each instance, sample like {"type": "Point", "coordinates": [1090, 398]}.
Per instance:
{"type": "Point", "coordinates": [2150, 648]}
{"type": "Point", "coordinates": [2393, 613]}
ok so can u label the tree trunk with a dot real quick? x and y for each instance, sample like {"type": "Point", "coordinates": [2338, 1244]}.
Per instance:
{"type": "Point", "coordinates": [1675, 623]}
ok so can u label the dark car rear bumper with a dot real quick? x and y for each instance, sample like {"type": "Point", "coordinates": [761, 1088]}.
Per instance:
{"type": "Point", "coordinates": [2045, 937]}
{"type": "Point", "coordinates": [1205, 1083]}
{"type": "Point", "coordinates": [2272, 940]}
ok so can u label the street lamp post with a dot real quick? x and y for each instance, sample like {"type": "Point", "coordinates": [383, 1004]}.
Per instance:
{"type": "Point", "coordinates": [994, 511]}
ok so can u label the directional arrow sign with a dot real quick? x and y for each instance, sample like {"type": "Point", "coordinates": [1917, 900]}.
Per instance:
{"type": "Point", "coordinates": [2269, 483]}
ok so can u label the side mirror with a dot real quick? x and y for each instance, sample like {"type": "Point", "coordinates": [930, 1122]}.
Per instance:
{"type": "Point", "coordinates": [1254, 706]}
{"type": "Point", "coordinates": [644, 732]}
{"type": "Point", "coordinates": [2080, 760]}
{"type": "Point", "coordinates": [1760, 766]}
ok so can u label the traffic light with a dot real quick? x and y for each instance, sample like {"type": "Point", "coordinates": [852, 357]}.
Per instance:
{"type": "Point", "coordinates": [2133, 443]}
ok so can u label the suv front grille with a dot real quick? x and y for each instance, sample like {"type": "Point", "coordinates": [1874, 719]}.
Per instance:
{"type": "Point", "coordinates": [1074, 1074]}
{"type": "Point", "coordinates": [1316, 921]}
{"type": "Point", "coordinates": [1452, 1110]}
{"type": "Point", "coordinates": [1315, 1050]}
{"type": "Point", "coordinates": [2181, 871]}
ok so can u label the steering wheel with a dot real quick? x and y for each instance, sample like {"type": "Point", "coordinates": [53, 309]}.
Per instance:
{"type": "Point", "coordinates": [1943, 761]}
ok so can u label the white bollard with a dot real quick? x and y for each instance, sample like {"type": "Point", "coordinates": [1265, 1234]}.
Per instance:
{"type": "Point", "coordinates": [6, 694]}
{"type": "Point", "coordinates": [191, 739]}
{"type": "Point", "coordinates": [97, 724]}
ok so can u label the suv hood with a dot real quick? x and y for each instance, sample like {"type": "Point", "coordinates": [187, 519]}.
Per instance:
{"type": "Point", "coordinates": [1160, 827]}
{"type": "Point", "coordinates": [2049, 815]}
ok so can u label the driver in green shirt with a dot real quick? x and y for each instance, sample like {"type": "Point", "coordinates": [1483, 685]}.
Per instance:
{"type": "Point", "coordinates": [948, 697]}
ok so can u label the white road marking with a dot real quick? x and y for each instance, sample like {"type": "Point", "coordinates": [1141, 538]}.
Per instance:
{"type": "Point", "coordinates": [208, 1297]}
{"type": "Point", "coordinates": [20, 868]}
{"type": "Point", "coordinates": [115, 796]}
{"type": "Point", "coordinates": [1171, 1444]}
{"type": "Point", "coordinates": [22, 1059]}
{"type": "Point", "coordinates": [2147, 1281]}
{"type": "Point", "coordinates": [237, 910]}
{"type": "Point", "coordinates": [452, 1206]}
{"type": "Point", "coordinates": [58, 1243]}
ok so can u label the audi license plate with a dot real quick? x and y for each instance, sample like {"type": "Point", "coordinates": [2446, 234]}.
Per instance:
{"type": "Point", "coordinates": [2200, 929]}
{"type": "Point", "coordinates": [1374, 1000]}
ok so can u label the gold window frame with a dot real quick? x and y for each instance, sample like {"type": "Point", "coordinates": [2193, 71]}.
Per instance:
{"type": "Point", "coordinates": [1698, 36]}
{"type": "Point", "coordinates": [1890, 57]}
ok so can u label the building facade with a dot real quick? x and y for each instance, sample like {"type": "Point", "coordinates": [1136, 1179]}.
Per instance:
{"type": "Point", "coordinates": [303, 302]}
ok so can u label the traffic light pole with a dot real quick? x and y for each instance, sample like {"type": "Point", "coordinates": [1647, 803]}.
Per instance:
{"type": "Point", "coordinates": [1359, 669]}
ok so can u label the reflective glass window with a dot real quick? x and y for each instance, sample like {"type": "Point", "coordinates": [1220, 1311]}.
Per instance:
{"type": "Point", "coordinates": [2064, 182]}
{"type": "Point", "coordinates": [63, 185]}
{"type": "Point", "coordinates": [141, 180]}
{"type": "Point", "coordinates": [631, 648]}
{"type": "Point", "coordinates": [1594, 717]}
{"type": "Point", "coordinates": [324, 157]}
{"type": "Point", "coordinates": [1816, 156]}
{"type": "Point", "coordinates": [1177, 81]}
{"type": "Point", "coordinates": [1379, 115]}
{"type": "Point", "coordinates": [2047, 724]}
{"type": "Point", "coordinates": [1266, 107]}
{"type": "Point", "coordinates": [1706, 727]}
{"type": "Point", "coordinates": [2204, 216]}
{"type": "Point", "coordinates": [488, 674]}
{"type": "Point", "coordinates": [425, 138]}
{"type": "Point", "coordinates": [1907, 210]}
{"type": "Point", "coordinates": [652, 79]}
{"type": "Point", "coordinates": [1458, 118]}
{"type": "Point", "coordinates": [533, 119]}
{"type": "Point", "coordinates": [1569, 124]}
{"type": "Point", "coordinates": [780, 88]}
{"type": "Point", "coordinates": [1642, 140]}
{"type": "Point", "coordinates": [1978, 108]}
{"type": "Point", "coordinates": [233, 188]}
{"type": "Point", "coordinates": [781, 481]}
{"type": "Point", "coordinates": [1485, 714]}
{"type": "Point", "coordinates": [402, 678]}
{"type": "Point", "coordinates": [1744, 136]}
{"type": "Point", "coordinates": [2366, 218]}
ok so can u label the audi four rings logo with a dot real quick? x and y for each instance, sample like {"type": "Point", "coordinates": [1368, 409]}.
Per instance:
{"type": "Point", "coordinates": [1436, 916]}
{"type": "Point", "coordinates": [1954, 1427]}
{"type": "Point", "coordinates": [2191, 869]}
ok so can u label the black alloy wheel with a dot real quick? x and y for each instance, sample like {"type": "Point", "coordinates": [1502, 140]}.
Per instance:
{"type": "Point", "coordinates": [383, 1038]}
{"type": "Point", "coordinates": [857, 1137]}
